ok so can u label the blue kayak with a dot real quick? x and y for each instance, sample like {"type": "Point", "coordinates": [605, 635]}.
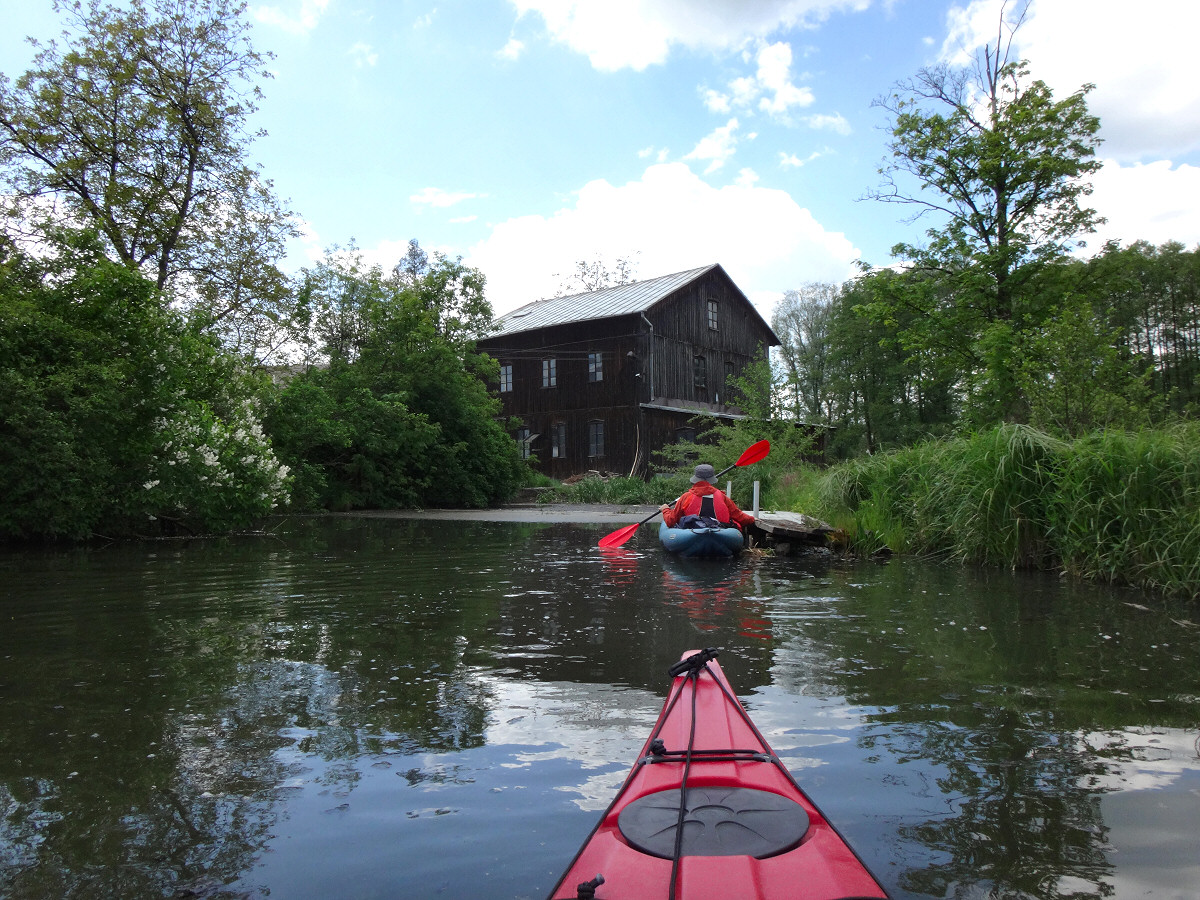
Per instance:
{"type": "Point", "coordinates": [701, 541]}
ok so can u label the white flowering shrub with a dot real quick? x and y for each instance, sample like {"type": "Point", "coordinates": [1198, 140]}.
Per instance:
{"type": "Point", "coordinates": [217, 471]}
{"type": "Point", "coordinates": [116, 416]}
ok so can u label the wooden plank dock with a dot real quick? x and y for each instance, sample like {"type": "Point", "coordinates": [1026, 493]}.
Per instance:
{"type": "Point", "coordinates": [783, 529]}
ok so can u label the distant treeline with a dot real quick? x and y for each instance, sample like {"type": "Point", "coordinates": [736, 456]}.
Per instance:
{"type": "Point", "coordinates": [888, 359]}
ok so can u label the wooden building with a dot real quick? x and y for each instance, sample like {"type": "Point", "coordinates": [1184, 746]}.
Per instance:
{"type": "Point", "coordinates": [601, 380]}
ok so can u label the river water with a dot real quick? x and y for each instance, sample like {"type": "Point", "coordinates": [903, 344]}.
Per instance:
{"type": "Point", "coordinates": [362, 708]}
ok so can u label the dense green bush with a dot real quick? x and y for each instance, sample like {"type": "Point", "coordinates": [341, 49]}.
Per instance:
{"type": "Point", "coordinates": [399, 415]}
{"type": "Point", "coordinates": [116, 416]}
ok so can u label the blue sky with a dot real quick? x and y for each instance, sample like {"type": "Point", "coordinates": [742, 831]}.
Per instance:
{"type": "Point", "coordinates": [524, 135]}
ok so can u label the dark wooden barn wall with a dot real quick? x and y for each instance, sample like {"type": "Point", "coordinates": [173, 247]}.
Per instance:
{"type": "Point", "coordinates": [640, 366]}
{"type": "Point", "coordinates": [681, 333]}
{"type": "Point", "coordinates": [575, 401]}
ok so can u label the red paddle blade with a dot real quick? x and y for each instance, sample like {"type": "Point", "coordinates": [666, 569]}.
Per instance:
{"type": "Point", "coordinates": [619, 537]}
{"type": "Point", "coordinates": [754, 453]}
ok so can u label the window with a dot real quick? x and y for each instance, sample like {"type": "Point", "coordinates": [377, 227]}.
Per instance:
{"type": "Point", "coordinates": [558, 440]}
{"type": "Point", "coordinates": [595, 438]}
{"type": "Point", "coordinates": [700, 372]}
{"type": "Point", "coordinates": [595, 367]}
{"type": "Point", "coordinates": [524, 439]}
{"type": "Point", "coordinates": [712, 313]}
{"type": "Point", "coordinates": [549, 372]}
{"type": "Point", "coordinates": [506, 377]}
{"type": "Point", "coordinates": [685, 435]}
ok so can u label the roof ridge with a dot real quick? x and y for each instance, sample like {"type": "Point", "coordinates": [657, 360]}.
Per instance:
{"type": "Point", "coordinates": [608, 302]}
{"type": "Point", "coordinates": [629, 285]}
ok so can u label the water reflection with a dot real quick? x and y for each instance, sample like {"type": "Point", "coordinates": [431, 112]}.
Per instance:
{"type": "Point", "coordinates": [394, 706]}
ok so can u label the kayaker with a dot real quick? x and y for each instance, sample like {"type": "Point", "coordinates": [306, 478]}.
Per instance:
{"type": "Point", "coordinates": [692, 504]}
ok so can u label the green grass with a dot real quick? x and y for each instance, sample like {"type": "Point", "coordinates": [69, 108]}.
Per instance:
{"type": "Point", "coordinates": [1113, 506]}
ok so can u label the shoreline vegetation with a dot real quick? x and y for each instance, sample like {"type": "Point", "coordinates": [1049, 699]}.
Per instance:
{"type": "Point", "coordinates": [1115, 507]}
{"type": "Point", "coordinates": [161, 374]}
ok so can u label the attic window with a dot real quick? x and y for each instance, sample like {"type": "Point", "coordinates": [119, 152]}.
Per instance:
{"type": "Point", "coordinates": [713, 308]}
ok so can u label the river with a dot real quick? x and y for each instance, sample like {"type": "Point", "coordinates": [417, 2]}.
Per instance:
{"type": "Point", "coordinates": [373, 707]}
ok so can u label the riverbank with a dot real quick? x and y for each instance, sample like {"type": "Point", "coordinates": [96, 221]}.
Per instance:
{"type": "Point", "coordinates": [577, 513]}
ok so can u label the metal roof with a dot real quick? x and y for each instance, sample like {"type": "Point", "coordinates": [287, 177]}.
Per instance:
{"type": "Point", "coordinates": [602, 304]}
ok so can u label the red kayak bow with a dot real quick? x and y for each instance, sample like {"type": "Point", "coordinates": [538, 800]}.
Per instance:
{"type": "Point", "coordinates": [709, 811]}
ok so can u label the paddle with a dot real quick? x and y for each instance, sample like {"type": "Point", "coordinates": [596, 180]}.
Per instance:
{"type": "Point", "coordinates": [753, 454]}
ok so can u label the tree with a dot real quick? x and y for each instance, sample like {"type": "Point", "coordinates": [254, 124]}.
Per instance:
{"type": "Point", "coordinates": [1151, 296]}
{"type": "Point", "coordinates": [1004, 167]}
{"type": "Point", "coordinates": [116, 416]}
{"type": "Point", "coordinates": [137, 128]}
{"type": "Point", "coordinates": [802, 321]}
{"type": "Point", "coordinates": [1075, 378]}
{"type": "Point", "coordinates": [887, 394]}
{"type": "Point", "coordinates": [594, 274]}
{"type": "Point", "coordinates": [402, 416]}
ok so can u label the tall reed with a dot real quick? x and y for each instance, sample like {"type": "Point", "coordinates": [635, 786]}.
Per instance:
{"type": "Point", "coordinates": [1113, 506]}
{"type": "Point", "coordinates": [1127, 508]}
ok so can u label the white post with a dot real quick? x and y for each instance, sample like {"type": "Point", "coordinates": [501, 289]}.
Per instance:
{"type": "Point", "coordinates": [755, 513]}
{"type": "Point", "coordinates": [729, 489]}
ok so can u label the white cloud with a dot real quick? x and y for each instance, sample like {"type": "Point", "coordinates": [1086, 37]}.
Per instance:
{"type": "Point", "coordinates": [716, 147]}
{"type": "Point", "coordinates": [634, 34]}
{"type": "Point", "coordinates": [440, 199]}
{"type": "Point", "coordinates": [716, 102]}
{"type": "Point", "coordinates": [792, 161]}
{"type": "Point", "coordinates": [824, 122]}
{"type": "Point", "coordinates": [770, 89]}
{"type": "Point", "coordinates": [512, 50]}
{"type": "Point", "coordinates": [674, 220]}
{"type": "Point", "coordinates": [775, 76]}
{"type": "Point", "coordinates": [292, 20]}
{"type": "Point", "coordinates": [746, 178]}
{"type": "Point", "coordinates": [363, 54]}
{"type": "Point", "coordinates": [1140, 60]}
{"type": "Point", "coordinates": [1155, 202]}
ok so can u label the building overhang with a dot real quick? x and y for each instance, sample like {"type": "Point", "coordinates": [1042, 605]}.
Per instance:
{"type": "Point", "coordinates": [695, 409]}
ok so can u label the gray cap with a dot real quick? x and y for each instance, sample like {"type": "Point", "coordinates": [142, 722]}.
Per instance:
{"type": "Point", "coordinates": [703, 472]}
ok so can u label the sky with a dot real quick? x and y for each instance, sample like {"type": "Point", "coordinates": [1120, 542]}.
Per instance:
{"type": "Point", "coordinates": [527, 135]}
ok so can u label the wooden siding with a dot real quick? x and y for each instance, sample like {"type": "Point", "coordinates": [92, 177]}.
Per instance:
{"type": "Point", "coordinates": [647, 359]}
{"type": "Point", "coordinates": [681, 333]}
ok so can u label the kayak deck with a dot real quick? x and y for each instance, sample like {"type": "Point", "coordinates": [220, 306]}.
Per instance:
{"type": "Point", "coordinates": [748, 831]}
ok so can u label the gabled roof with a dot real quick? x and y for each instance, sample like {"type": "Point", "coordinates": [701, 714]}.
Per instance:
{"type": "Point", "coordinates": [605, 303]}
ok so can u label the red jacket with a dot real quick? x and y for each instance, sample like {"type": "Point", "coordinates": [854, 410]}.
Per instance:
{"type": "Point", "coordinates": [689, 505]}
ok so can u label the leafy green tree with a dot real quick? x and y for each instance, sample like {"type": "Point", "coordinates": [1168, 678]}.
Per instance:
{"type": "Point", "coordinates": [802, 321]}
{"type": "Point", "coordinates": [137, 127]}
{"type": "Point", "coordinates": [1075, 378]}
{"type": "Point", "coordinates": [1004, 168]}
{"type": "Point", "coordinates": [401, 416]}
{"type": "Point", "coordinates": [1151, 296]}
{"type": "Point", "coordinates": [117, 416]}
{"type": "Point", "coordinates": [887, 393]}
